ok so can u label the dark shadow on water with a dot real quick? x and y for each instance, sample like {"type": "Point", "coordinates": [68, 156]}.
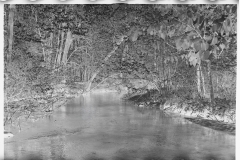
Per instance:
{"type": "Point", "coordinates": [213, 157]}
{"type": "Point", "coordinates": [35, 157]}
{"type": "Point", "coordinates": [153, 158]}
{"type": "Point", "coordinates": [181, 156]}
{"type": "Point", "coordinates": [93, 157]}
{"type": "Point", "coordinates": [126, 156]}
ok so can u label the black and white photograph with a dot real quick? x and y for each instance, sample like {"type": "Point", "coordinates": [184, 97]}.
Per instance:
{"type": "Point", "coordinates": [119, 81]}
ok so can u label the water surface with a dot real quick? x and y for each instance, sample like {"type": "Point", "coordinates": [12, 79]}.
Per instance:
{"type": "Point", "coordinates": [103, 127]}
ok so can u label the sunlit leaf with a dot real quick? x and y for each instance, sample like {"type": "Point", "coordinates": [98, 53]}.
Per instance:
{"type": "Point", "coordinates": [149, 30]}
{"type": "Point", "coordinates": [194, 58]}
{"type": "Point", "coordinates": [135, 36]}
{"type": "Point", "coordinates": [222, 46]}
{"type": "Point", "coordinates": [162, 35]}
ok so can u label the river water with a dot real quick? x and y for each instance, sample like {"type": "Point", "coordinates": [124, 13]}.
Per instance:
{"type": "Point", "coordinates": [100, 126]}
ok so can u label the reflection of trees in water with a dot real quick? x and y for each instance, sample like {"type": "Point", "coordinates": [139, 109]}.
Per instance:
{"type": "Point", "coordinates": [102, 100]}
{"type": "Point", "coordinates": [37, 149]}
{"type": "Point", "coordinates": [57, 147]}
{"type": "Point", "coordinates": [74, 106]}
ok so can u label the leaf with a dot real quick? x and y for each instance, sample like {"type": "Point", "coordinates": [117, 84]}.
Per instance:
{"type": "Point", "coordinates": [205, 55]}
{"type": "Point", "coordinates": [200, 19]}
{"type": "Point", "coordinates": [215, 50]}
{"type": "Point", "coordinates": [191, 35]}
{"type": "Point", "coordinates": [185, 44]}
{"type": "Point", "coordinates": [197, 46]}
{"type": "Point", "coordinates": [131, 31]}
{"type": "Point", "coordinates": [222, 46]}
{"type": "Point", "coordinates": [189, 28]}
{"type": "Point", "coordinates": [162, 35]}
{"type": "Point", "coordinates": [204, 46]}
{"type": "Point", "coordinates": [235, 29]}
{"type": "Point", "coordinates": [154, 46]}
{"type": "Point", "coordinates": [215, 27]}
{"type": "Point", "coordinates": [225, 26]}
{"type": "Point", "coordinates": [176, 59]}
{"type": "Point", "coordinates": [229, 22]}
{"type": "Point", "coordinates": [135, 36]}
{"type": "Point", "coordinates": [189, 14]}
{"type": "Point", "coordinates": [166, 60]}
{"type": "Point", "coordinates": [115, 6]}
{"type": "Point", "coordinates": [214, 41]}
{"type": "Point", "coordinates": [149, 30]}
{"type": "Point", "coordinates": [171, 33]}
{"type": "Point", "coordinates": [208, 38]}
{"type": "Point", "coordinates": [201, 26]}
{"type": "Point", "coordinates": [183, 56]}
{"type": "Point", "coordinates": [178, 43]}
{"type": "Point", "coordinates": [234, 8]}
{"type": "Point", "coordinates": [193, 59]}
{"type": "Point", "coordinates": [222, 31]}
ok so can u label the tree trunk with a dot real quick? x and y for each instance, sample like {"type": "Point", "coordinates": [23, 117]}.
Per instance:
{"type": "Point", "coordinates": [163, 66]}
{"type": "Point", "coordinates": [67, 46]}
{"type": "Point", "coordinates": [210, 82]}
{"type": "Point", "coordinates": [199, 79]}
{"type": "Point", "coordinates": [58, 43]}
{"type": "Point", "coordinates": [169, 78]}
{"type": "Point", "coordinates": [61, 47]}
{"type": "Point", "coordinates": [88, 87]}
{"type": "Point", "coordinates": [155, 61]}
{"type": "Point", "coordinates": [203, 82]}
{"type": "Point", "coordinates": [10, 25]}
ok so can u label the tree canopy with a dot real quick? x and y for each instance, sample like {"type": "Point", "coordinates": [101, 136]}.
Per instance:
{"type": "Point", "coordinates": [148, 42]}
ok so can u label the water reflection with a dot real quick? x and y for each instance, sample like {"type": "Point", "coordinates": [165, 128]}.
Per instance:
{"type": "Point", "coordinates": [101, 126]}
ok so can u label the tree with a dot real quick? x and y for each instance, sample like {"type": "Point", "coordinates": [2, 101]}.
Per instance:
{"type": "Point", "coordinates": [10, 24]}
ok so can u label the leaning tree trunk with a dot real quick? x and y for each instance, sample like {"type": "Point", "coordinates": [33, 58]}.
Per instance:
{"type": "Point", "coordinates": [60, 48]}
{"type": "Point", "coordinates": [88, 87]}
{"type": "Point", "coordinates": [210, 82]}
{"type": "Point", "coordinates": [10, 24]}
{"type": "Point", "coordinates": [68, 43]}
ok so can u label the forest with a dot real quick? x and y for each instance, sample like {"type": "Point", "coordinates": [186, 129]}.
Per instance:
{"type": "Point", "coordinates": [157, 54]}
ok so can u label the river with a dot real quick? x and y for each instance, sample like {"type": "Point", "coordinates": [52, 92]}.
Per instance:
{"type": "Point", "coordinates": [100, 126]}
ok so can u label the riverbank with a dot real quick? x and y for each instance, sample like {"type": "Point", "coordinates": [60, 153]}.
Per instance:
{"type": "Point", "coordinates": [221, 116]}
{"type": "Point", "coordinates": [37, 106]}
